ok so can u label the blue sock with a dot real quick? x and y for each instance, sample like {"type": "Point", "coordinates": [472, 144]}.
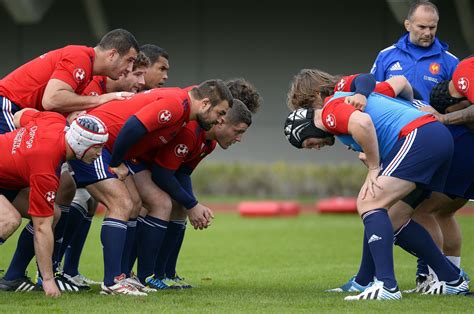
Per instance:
{"type": "Point", "coordinates": [113, 236]}
{"type": "Point", "coordinates": [422, 268]}
{"type": "Point", "coordinates": [169, 242]}
{"type": "Point", "coordinates": [127, 249]}
{"type": "Point", "coordinates": [414, 239]}
{"type": "Point", "coordinates": [73, 253]}
{"type": "Point", "coordinates": [380, 240]}
{"type": "Point", "coordinates": [151, 232]}
{"type": "Point", "coordinates": [170, 269]}
{"type": "Point", "coordinates": [25, 250]}
{"type": "Point", "coordinates": [59, 230]}
{"type": "Point", "coordinates": [76, 216]}
{"type": "Point", "coordinates": [366, 272]}
{"type": "Point", "coordinates": [134, 250]}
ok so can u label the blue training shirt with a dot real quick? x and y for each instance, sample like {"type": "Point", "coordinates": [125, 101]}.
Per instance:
{"type": "Point", "coordinates": [423, 67]}
{"type": "Point", "coordinates": [389, 116]}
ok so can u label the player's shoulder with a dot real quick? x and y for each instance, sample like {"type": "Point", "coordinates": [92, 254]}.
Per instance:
{"type": "Point", "coordinates": [388, 51]}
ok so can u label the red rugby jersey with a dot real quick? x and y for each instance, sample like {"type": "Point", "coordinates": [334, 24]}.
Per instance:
{"type": "Point", "coordinates": [32, 157]}
{"type": "Point", "coordinates": [25, 86]}
{"type": "Point", "coordinates": [163, 112]}
{"type": "Point", "coordinates": [97, 86]}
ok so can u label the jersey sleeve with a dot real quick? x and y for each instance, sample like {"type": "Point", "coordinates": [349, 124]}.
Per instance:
{"type": "Point", "coordinates": [173, 154]}
{"type": "Point", "coordinates": [335, 116]}
{"type": "Point", "coordinates": [194, 162]}
{"type": "Point", "coordinates": [43, 189]}
{"type": "Point", "coordinates": [96, 87]}
{"type": "Point", "coordinates": [161, 113]}
{"type": "Point", "coordinates": [74, 68]}
{"type": "Point", "coordinates": [385, 88]}
{"type": "Point", "coordinates": [344, 84]}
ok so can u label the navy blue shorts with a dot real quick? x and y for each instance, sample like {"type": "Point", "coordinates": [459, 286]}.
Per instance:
{"type": "Point", "coordinates": [6, 115]}
{"type": "Point", "coordinates": [85, 174]}
{"type": "Point", "coordinates": [423, 157]}
{"type": "Point", "coordinates": [461, 174]}
{"type": "Point", "coordinates": [135, 166]}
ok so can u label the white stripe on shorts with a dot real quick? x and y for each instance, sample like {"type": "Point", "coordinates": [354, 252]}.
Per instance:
{"type": "Point", "coordinates": [7, 113]}
{"type": "Point", "coordinates": [392, 166]}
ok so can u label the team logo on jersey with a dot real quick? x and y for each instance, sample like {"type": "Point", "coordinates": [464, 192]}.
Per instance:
{"type": "Point", "coordinates": [181, 150]}
{"type": "Point", "coordinates": [341, 84]}
{"type": "Point", "coordinates": [50, 197]}
{"type": "Point", "coordinates": [434, 68]}
{"type": "Point", "coordinates": [164, 116]}
{"type": "Point", "coordinates": [79, 74]}
{"type": "Point", "coordinates": [331, 121]}
{"type": "Point", "coordinates": [463, 84]}
{"type": "Point", "coordinates": [396, 67]}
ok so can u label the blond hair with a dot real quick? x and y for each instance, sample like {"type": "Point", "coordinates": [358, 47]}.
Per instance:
{"type": "Point", "coordinates": [309, 88]}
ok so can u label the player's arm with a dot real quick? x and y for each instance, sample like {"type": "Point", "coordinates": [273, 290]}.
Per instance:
{"type": "Point", "coordinates": [22, 117]}
{"type": "Point", "coordinates": [60, 96]}
{"type": "Point", "coordinates": [463, 116]}
{"type": "Point", "coordinates": [44, 241]}
{"type": "Point", "coordinates": [166, 180]}
{"type": "Point", "coordinates": [363, 132]}
{"type": "Point", "coordinates": [131, 133]}
{"type": "Point", "coordinates": [42, 194]}
{"type": "Point", "coordinates": [362, 85]}
{"type": "Point", "coordinates": [199, 215]}
{"type": "Point", "coordinates": [400, 86]}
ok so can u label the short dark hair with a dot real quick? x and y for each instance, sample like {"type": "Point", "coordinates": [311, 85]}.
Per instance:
{"type": "Point", "coordinates": [243, 90]}
{"type": "Point", "coordinates": [215, 90]}
{"type": "Point", "coordinates": [239, 113]}
{"type": "Point", "coordinates": [119, 39]}
{"type": "Point", "coordinates": [154, 52]}
{"type": "Point", "coordinates": [416, 4]}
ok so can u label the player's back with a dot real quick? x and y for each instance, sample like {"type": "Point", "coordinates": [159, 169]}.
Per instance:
{"type": "Point", "coordinates": [25, 86]}
{"type": "Point", "coordinates": [38, 147]}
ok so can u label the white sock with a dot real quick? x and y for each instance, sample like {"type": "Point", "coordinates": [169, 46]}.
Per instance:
{"type": "Point", "coordinates": [456, 260]}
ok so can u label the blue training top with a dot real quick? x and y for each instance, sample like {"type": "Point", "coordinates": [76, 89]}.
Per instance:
{"type": "Point", "coordinates": [389, 116]}
{"type": "Point", "coordinates": [423, 67]}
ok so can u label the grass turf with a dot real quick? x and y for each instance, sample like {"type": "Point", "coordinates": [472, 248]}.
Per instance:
{"type": "Point", "coordinates": [254, 265]}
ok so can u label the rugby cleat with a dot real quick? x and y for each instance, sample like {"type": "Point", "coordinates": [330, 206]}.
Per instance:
{"type": "Point", "coordinates": [160, 284]}
{"type": "Point", "coordinates": [376, 292]}
{"type": "Point", "coordinates": [121, 287]}
{"type": "Point", "coordinates": [181, 282]}
{"type": "Point", "coordinates": [65, 284]}
{"type": "Point", "coordinates": [422, 284]}
{"type": "Point", "coordinates": [78, 281]}
{"type": "Point", "coordinates": [134, 281]}
{"type": "Point", "coordinates": [350, 286]}
{"type": "Point", "coordinates": [84, 279]}
{"type": "Point", "coordinates": [23, 284]}
{"type": "Point", "coordinates": [442, 287]}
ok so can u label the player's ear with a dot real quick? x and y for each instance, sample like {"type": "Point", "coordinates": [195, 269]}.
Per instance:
{"type": "Point", "coordinates": [111, 53]}
{"type": "Point", "coordinates": [206, 103]}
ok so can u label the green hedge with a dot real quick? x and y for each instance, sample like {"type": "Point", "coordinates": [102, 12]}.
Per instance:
{"type": "Point", "coordinates": [281, 179]}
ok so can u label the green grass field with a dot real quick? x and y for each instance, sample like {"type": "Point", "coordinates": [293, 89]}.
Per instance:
{"type": "Point", "coordinates": [254, 265]}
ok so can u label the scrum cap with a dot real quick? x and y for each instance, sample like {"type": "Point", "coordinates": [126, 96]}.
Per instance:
{"type": "Point", "coordinates": [85, 132]}
{"type": "Point", "coordinates": [299, 125]}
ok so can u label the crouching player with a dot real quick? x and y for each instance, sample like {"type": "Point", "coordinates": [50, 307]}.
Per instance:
{"type": "Point", "coordinates": [36, 153]}
{"type": "Point", "coordinates": [168, 188]}
{"type": "Point", "coordinates": [395, 139]}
